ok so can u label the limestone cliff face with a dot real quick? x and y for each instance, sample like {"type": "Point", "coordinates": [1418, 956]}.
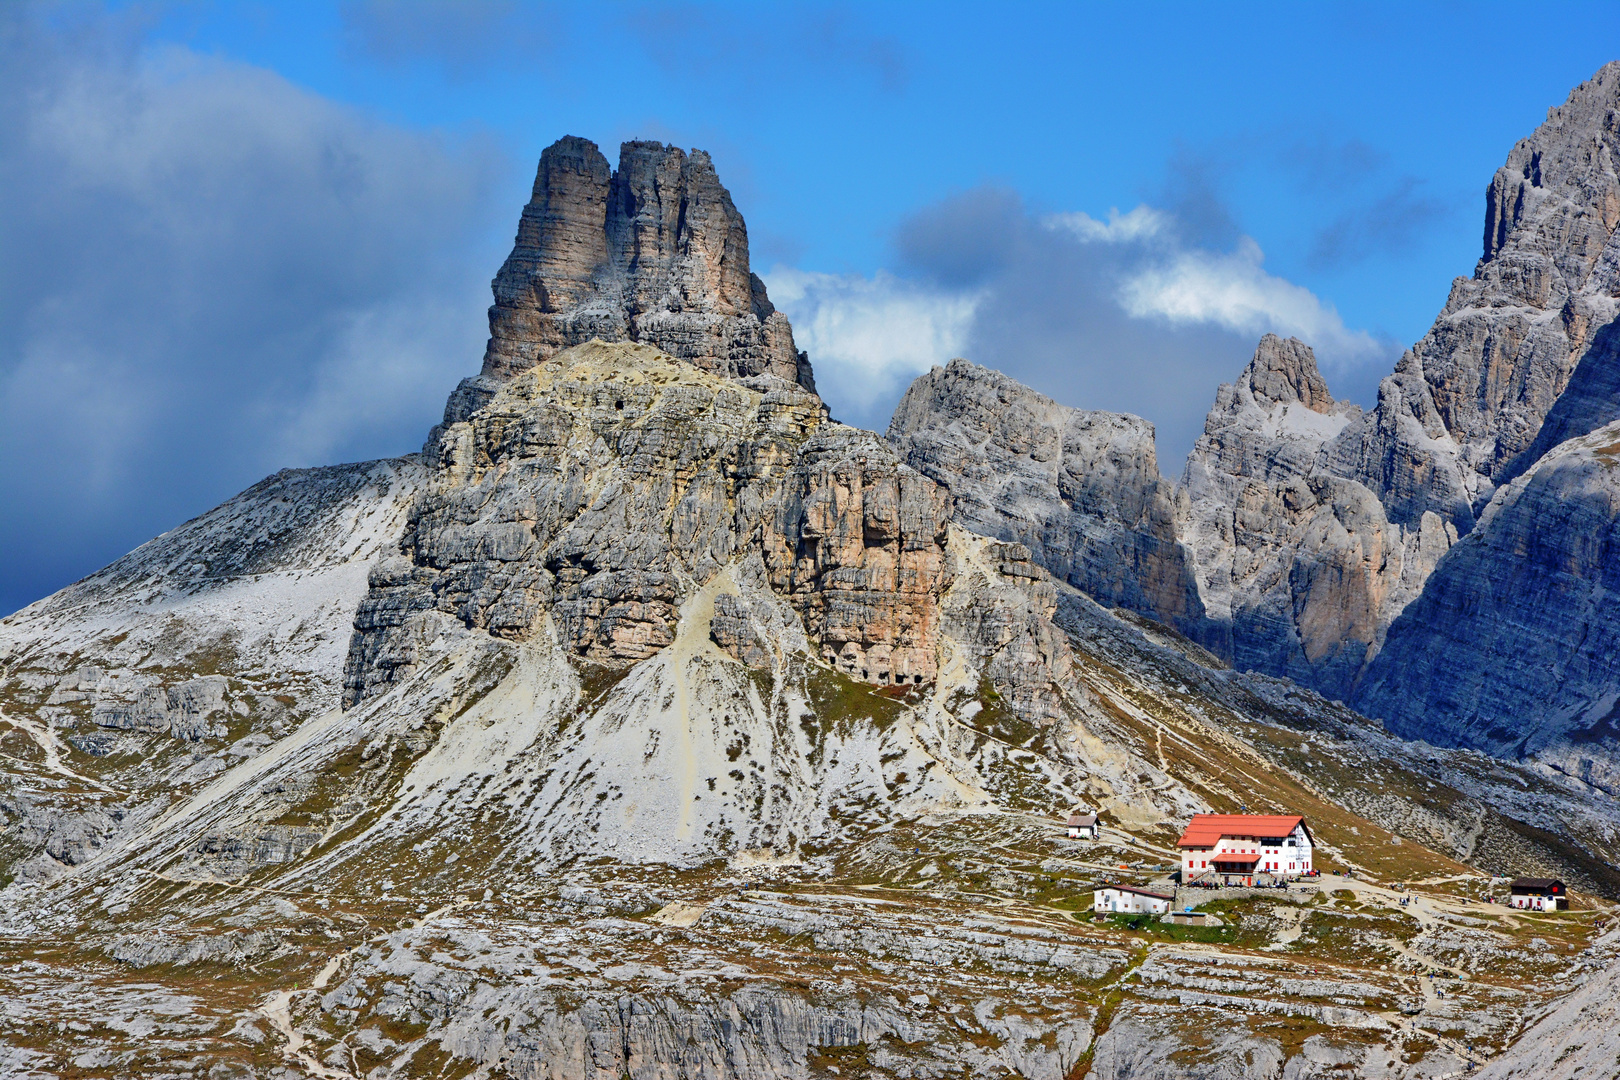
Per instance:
{"type": "Point", "coordinates": [1301, 568]}
{"type": "Point", "coordinates": [1514, 646]}
{"type": "Point", "coordinates": [1314, 525]}
{"type": "Point", "coordinates": [1468, 401]}
{"type": "Point", "coordinates": [599, 488]}
{"type": "Point", "coordinates": [654, 252]}
{"type": "Point", "coordinates": [1080, 489]}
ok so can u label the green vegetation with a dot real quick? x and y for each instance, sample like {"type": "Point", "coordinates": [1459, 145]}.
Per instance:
{"type": "Point", "coordinates": [840, 701]}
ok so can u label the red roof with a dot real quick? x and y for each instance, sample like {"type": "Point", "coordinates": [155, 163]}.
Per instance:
{"type": "Point", "coordinates": [1232, 857]}
{"type": "Point", "coordinates": [1206, 830]}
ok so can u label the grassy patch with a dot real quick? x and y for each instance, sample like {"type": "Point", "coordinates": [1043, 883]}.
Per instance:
{"type": "Point", "coordinates": [1291, 1032]}
{"type": "Point", "coordinates": [840, 701]}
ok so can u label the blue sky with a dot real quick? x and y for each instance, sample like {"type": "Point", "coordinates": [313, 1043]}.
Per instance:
{"type": "Point", "coordinates": [237, 237]}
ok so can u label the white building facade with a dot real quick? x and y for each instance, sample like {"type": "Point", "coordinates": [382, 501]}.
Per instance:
{"type": "Point", "coordinates": [1083, 826]}
{"type": "Point", "coordinates": [1128, 900]}
{"type": "Point", "coordinates": [1221, 847]}
{"type": "Point", "coordinates": [1538, 894]}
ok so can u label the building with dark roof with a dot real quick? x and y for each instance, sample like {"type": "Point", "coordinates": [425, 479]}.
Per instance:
{"type": "Point", "coordinates": [1083, 826]}
{"type": "Point", "coordinates": [1538, 894]}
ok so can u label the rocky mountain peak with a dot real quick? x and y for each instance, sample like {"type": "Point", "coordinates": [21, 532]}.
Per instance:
{"type": "Point", "coordinates": [1314, 535]}
{"type": "Point", "coordinates": [1079, 488]}
{"type": "Point", "coordinates": [688, 734]}
{"type": "Point", "coordinates": [1284, 371]}
{"type": "Point", "coordinates": [1568, 162]}
{"type": "Point", "coordinates": [1464, 409]}
{"type": "Point", "coordinates": [653, 252]}
{"type": "Point", "coordinates": [589, 497]}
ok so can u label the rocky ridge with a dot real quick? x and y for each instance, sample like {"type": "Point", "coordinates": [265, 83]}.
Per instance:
{"type": "Point", "coordinates": [1467, 402]}
{"type": "Point", "coordinates": [1313, 527]}
{"type": "Point", "coordinates": [499, 756]}
{"type": "Point", "coordinates": [653, 724]}
{"type": "Point", "coordinates": [1080, 489]}
{"type": "Point", "coordinates": [1516, 623]}
{"type": "Point", "coordinates": [601, 488]}
{"type": "Point", "coordinates": [1301, 568]}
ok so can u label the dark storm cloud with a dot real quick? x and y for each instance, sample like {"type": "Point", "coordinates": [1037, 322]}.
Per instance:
{"type": "Point", "coordinates": [965, 240]}
{"type": "Point", "coordinates": [208, 275]}
{"type": "Point", "coordinates": [1391, 224]}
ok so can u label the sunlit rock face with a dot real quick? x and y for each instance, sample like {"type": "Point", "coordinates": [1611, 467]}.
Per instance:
{"type": "Point", "coordinates": [1313, 525]}
{"type": "Point", "coordinates": [599, 488]}
{"type": "Point", "coordinates": [1465, 406]}
{"type": "Point", "coordinates": [1301, 569]}
{"type": "Point", "coordinates": [654, 252]}
{"type": "Point", "coordinates": [686, 734]}
{"type": "Point", "coordinates": [1081, 489]}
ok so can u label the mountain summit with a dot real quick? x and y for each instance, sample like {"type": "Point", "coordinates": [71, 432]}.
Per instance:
{"type": "Point", "coordinates": [651, 724]}
{"type": "Point", "coordinates": [654, 252]}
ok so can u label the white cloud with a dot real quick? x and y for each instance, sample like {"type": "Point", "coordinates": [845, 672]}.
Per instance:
{"type": "Point", "coordinates": [1142, 223]}
{"type": "Point", "coordinates": [867, 335]}
{"type": "Point", "coordinates": [1232, 290]}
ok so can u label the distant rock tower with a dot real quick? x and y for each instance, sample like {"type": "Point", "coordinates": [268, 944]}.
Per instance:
{"type": "Point", "coordinates": [654, 253]}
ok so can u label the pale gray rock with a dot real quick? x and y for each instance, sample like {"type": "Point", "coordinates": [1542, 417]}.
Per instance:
{"type": "Point", "coordinates": [233, 947]}
{"type": "Point", "coordinates": [595, 490]}
{"type": "Point", "coordinates": [254, 600]}
{"type": "Point", "coordinates": [263, 586]}
{"type": "Point", "coordinates": [654, 252]}
{"type": "Point", "coordinates": [590, 678]}
{"type": "Point", "coordinates": [232, 853]}
{"type": "Point", "coordinates": [1591, 400]}
{"type": "Point", "coordinates": [1514, 647]}
{"type": "Point", "coordinates": [1579, 1036]}
{"type": "Point", "coordinates": [183, 710]}
{"type": "Point", "coordinates": [84, 683]}
{"type": "Point", "coordinates": [1467, 402]}
{"type": "Point", "coordinates": [1080, 489]}
{"type": "Point", "coordinates": [1313, 526]}
{"type": "Point", "coordinates": [1301, 569]}
{"type": "Point", "coordinates": [1001, 607]}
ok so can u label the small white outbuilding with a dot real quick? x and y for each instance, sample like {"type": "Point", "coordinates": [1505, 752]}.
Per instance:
{"type": "Point", "coordinates": [1129, 900]}
{"type": "Point", "coordinates": [1082, 826]}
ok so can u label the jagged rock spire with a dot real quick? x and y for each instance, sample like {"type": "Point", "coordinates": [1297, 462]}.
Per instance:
{"type": "Point", "coordinates": [654, 252]}
{"type": "Point", "coordinates": [1284, 370]}
{"type": "Point", "coordinates": [1080, 488]}
{"type": "Point", "coordinates": [1464, 408]}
